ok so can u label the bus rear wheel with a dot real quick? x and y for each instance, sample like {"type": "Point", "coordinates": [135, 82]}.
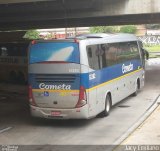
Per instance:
{"type": "Point", "coordinates": [137, 88]}
{"type": "Point", "coordinates": [107, 107]}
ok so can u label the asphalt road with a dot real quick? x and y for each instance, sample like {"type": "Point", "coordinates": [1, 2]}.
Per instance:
{"type": "Point", "coordinates": [17, 127]}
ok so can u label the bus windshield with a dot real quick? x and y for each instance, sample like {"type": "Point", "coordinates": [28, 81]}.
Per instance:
{"type": "Point", "coordinates": [54, 52]}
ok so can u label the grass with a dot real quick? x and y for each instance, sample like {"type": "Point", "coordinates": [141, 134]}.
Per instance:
{"type": "Point", "coordinates": [152, 55]}
{"type": "Point", "coordinates": [154, 48]}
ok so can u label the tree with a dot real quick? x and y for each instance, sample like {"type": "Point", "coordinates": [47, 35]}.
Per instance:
{"type": "Point", "coordinates": [103, 29]}
{"type": "Point", "coordinates": [32, 34]}
{"type": "Point", "coordinates": [128, 29]}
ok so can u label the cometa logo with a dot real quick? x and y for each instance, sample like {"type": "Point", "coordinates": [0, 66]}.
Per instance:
{"type": "Point", "coordinates": [127, 68]}
{"type": "Point", "coordinates": [54, 87]}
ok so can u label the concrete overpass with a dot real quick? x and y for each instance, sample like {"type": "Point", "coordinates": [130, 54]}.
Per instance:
{"type": "Point", "coordinates": [30, 14]}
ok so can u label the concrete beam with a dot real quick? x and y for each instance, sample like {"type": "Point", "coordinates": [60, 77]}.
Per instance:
{"type": "Point", "coordinates": [18, 1]}
{"type": "Point", "coordinates": [83, 22]}
{"type": "Point", "coordinates": [116, 8]}
{"type": "Point", "coordinates": [70, 13]}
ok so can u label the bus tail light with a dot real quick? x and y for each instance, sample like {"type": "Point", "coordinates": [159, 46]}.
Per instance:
{"type": "Point", "coordinates": [82, 97]}
{"type": "Point", "coordinates": [31, 99]}
{"type": "Point", "coordinates": [33, 42]}
{"type": "Point", "coordinates": [76, 40]}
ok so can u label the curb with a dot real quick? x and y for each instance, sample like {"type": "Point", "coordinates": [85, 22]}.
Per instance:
{"type": "Point", "coordinates": [148, 112]}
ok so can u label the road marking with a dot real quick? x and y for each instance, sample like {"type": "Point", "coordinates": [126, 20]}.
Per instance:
{"type": "Point", "coordinates": [5, 129]}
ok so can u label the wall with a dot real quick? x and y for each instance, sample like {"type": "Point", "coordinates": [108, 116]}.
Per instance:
{"type": "Point", "coordinates": [151, 40]}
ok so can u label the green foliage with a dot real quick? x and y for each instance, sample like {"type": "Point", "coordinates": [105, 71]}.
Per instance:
{"type": "Point", "coordinates": [103, 29]}
{"type": "Point", "coordinates": [128, 29]}
{"type": "Point", "coordinates": [49, 36]}
{"type": "Point", "coordinates": [113, 29]}
{"type": "Point", "coordinates": [32, 34]}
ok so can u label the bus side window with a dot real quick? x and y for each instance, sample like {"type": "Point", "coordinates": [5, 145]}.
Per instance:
{"type": "Point", "coordinates": [89, 52]}
{"type": "Point", "coordinates": [4, 51]}
{"type": "Point", "coordinates": [111, 54]}
{"type": "Point", "coordinates": [123, 52]}
{"type": "Point", "coordinates": [103, 48]}
{"type": "Point", "coordinates": [134, 50]}
{"type": "Point", "coordinates": [93, 59]}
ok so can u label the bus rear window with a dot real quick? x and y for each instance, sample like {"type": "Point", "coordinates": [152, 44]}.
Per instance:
{"type": "Point", "coordinates": [54, 51]}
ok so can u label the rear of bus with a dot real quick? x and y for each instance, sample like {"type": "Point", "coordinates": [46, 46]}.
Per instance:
{"type": "Point", "coordinates": [55, 89]}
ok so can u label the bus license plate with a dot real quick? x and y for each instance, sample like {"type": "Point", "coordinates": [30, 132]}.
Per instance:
{"type": "Point", "coordinates": [56, 113]}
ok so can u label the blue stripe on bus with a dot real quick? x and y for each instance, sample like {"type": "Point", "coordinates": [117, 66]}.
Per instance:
{"type": "Point", "coordinates": [95, 78]}
{"type": "Point", "coordinates": [107, 74]}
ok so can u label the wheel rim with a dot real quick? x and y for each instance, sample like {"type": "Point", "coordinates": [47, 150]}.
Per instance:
{"type": "Point", "coordinates": [137, 88]}
{"type": "Point", "coordinates": [107, 105]}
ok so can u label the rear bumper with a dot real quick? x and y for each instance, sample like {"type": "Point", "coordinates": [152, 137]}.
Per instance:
{"type": "Point", "coordinates": [76, 113]}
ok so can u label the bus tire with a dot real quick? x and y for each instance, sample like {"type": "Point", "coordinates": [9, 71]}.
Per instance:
{"type": "Point", "coordinates": [107, 106]}
{"type": "Point", "coordinates": [137, 88]}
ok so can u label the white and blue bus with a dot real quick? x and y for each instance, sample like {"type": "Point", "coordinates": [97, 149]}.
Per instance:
{"type": "Point", "coordinates": [82, 77]}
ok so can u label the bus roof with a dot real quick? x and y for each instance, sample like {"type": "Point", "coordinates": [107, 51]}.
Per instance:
{"type": "Point", "coordinates": [97, 36]}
